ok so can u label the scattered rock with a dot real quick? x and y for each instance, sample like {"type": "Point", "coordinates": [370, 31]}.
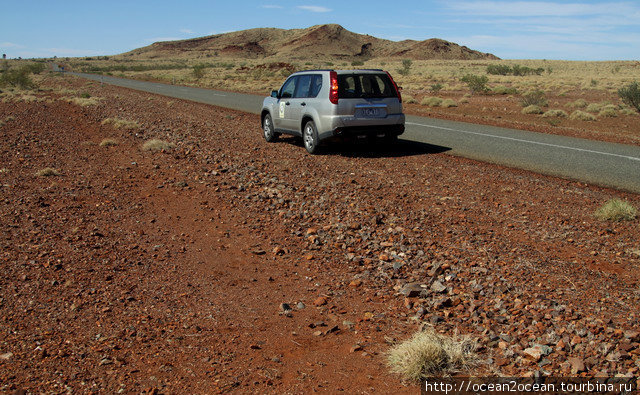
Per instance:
{"type": "Point", "coordinates": [577, 365]}
{"type": "Point", "coordinates": [320, 301]}
{"type": "Point", "coordinates": [411, 290]}
{"type": "Point", "coordinates": [438, 287]}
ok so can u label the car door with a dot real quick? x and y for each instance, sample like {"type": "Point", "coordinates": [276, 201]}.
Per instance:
{"type": "Point", "coordinates": [283, 117]}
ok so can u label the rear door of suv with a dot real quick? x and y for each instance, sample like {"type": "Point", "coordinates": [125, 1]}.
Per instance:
{"type": "Point", "coordinates": [370, 95]}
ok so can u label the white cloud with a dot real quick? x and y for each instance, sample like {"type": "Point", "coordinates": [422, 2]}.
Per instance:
{"type": "Point", "coordinates": [187, 31]}
{"type": "Point", "coordinates": [10, 45]}
{"type": "Point", "coordinates": [314, 8]}
{"type": "Point", "coordinates": [272, 6]}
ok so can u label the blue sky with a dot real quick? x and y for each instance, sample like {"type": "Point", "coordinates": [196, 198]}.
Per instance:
{"type": "Point", "coordinates": [571, 30]}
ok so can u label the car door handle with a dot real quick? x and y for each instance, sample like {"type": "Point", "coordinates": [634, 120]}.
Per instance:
{"type": "Point", "coordinates": [303, 104]}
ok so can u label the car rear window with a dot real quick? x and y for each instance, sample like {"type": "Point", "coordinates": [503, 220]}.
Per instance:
{"type": "Point", "coordinates": [365, 86]}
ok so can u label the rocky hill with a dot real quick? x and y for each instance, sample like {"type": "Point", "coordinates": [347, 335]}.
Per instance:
{"type": "Point", "coordinates": [316, 42]}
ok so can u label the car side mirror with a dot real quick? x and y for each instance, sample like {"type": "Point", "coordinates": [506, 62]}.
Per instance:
{"type": "Point", "coordinates": [274, 94]}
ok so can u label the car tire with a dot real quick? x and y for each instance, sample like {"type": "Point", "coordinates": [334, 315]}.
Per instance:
{"type": "Point", "coordinates": [268, 131]}
{"type": "Point", "coordinates": [310, 137]}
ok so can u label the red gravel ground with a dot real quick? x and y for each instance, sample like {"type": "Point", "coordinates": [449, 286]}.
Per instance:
{"type": "Point", "coordinates": [166, 272]}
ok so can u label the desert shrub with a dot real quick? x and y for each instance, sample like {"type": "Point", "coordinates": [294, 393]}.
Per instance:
{"type": "Point", "coordinates": [17, 77]}
{"type": "Point", "coordinates": [429, 353]}
{"type": "Point", "coordinates": [630, 95]}
{"type": "Point", "coordinates": [504, 90]}
{"type": "Point", "coordinates": [408, 99]}
{"type": "Point", "coordinates": [477, 83]}
{"type": "Point", "coordinates": [198, 70]}
{"type": "Point", "coordinates": [406, 67]}
{"type": "Point", "coordinates": [609, 111]}
{"type": "Point", "coordinates": [616, 210]}
{"type": "Point", "coordinates": [532, 109]}
{"type": "Point", "coordinates": [47, 172]}
{"type": "Point", "coordinates": [498, 69]}
{"type": "Point", "coordinates": [108, 143]}
{"type": "Point", "coordinates": [435, 88]}
{"type": "Point", "coordinates": [582, 116]}
{"type": "Point", "coordinates": [157, 145]}
{"type": "Point", "coordinates": [357, 63]}
{"type": "Point", "coordinates": [118, 123]}
{"type": "Point", "coordinates": [516, 70]}
{"type": "Point", "coordinates": [580, 103]}
{"type": "Point", "coordinates": [431, 101]}
{"type": "Point", "coordinates": [595, 107]}
{"type": "Point", "coordinates": [555, 114]}
{"type": "Point", "coordinates": [536, 98]}
{"type": "Point", "coordinates": [448, 103]}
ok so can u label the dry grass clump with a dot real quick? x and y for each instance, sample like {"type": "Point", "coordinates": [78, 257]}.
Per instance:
{"type": "Point", "coordinates": [595, 107]}
{"type": "Point", "coordinates": [431, 101]}
{"type": "Point", "coordinates": [84, 101]}
{"type": "Point", "coordinates": [157, 145]}
{"type": "Point", "coordinates": [446, 103]}
{"type": "Point", "coordinates": [609, 111]}
{"type": "Point", "coordinates": [616, 210]}
{"type": "Point", "coordinates": [108, 142]}
{"type": "Point", "coordinates": [429, 353]}
{"type": "Point", "coordinates": [555, 114]}
{"type": "Point", "coordinates": [118, 123]}
{"type": "Point", "coordinates": [582, 116]}
{"type": "Point", "coordinates": [47, 172]}
{"type": "Point", "coordinates": [580, 103]}
{"type": "Point", "coordinates": [532, 109]}
{"type": "Point", "coordinates": [409, 99]}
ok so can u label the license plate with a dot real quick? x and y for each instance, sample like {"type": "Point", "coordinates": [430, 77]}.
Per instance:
{"type": "Point", "coordinates": [370, 112]}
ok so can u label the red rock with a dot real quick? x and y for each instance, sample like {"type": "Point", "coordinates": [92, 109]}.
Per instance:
{"type": "Point", "coordinates": [320, 301]}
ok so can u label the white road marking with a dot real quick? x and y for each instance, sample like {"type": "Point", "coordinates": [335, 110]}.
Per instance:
{"type": "Point", "coordinates": [527, 141]}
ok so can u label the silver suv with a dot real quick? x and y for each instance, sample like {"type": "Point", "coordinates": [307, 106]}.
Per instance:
{"type": "Point", "coordinates": [321, 104]}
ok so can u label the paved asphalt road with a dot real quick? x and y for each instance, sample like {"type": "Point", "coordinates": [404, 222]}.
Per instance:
{"type": "Point", "coordinates": [595, 162]}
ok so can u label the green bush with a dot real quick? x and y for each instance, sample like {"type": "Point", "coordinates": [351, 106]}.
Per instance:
{"type": "Point", "coordinates": [477, 83]}
{"type": "Point", "coordinates": [198, 70]}
{"type": "Point", "coordinates": [616, 210]}
{"type": "Point", "coordinates": [498, 69]}
{"type": "Point", "coordinates": [517, 70]}
{"type": "Point", "coordinates": [18, 77]}
{"type": "Point", "coordinates": [406, 67]}
{"type": "Point", "coordinates": [435, 88]}
{"type": "Point", "coordinates": [357, 63]}
{"type": "Point", "coordinates": [536, 98]}
{"type": "Point", "coordinates": [503, 90]}
{"type": "Point", "coordinates": [630, 95]}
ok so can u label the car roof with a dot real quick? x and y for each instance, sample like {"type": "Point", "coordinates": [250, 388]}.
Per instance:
{"type": "Point", "coordinates": [342, 71]}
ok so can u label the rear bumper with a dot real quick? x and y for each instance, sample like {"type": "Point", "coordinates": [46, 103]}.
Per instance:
{"type": "Point", "coordinates": [341, 126]}
{"type": "Point", "coordinates": [352, 131]}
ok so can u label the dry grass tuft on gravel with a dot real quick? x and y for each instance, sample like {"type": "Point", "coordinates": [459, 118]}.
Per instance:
{"type": "Point", "coordinates": [582, 116]}
{"type": "Point", "coordinates": [429, 353]}
{"type": "Point", "coordinates": [555, 114]}
{"type": "Point", "coordinates": [157, 145]}
{"type": "Point", "coordinates": [532, 109]}
{"type": "Point", "coordinates": [47, 172]}
{"type": "Point", "coordinates": [108, 142]}
{"type": "Point", "coordinates": [118, 123]}
{"type": "Point", "coordinates": [616, 210]}
{"type": "Point", "coordinates": [84, 101]}
{"type": "Point", "coordinates": [431, 101]}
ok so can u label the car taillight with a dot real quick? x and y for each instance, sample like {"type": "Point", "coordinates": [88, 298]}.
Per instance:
{"type": "Point", "coordinates": [395, 86]}
{"type": "Point", "coordinates": [333, 90]}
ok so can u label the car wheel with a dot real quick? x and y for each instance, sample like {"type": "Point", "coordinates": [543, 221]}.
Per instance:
{"type": "Point", "coordinates": [310, 137]}
{"type": "Point", "coordinates": [267, 128]}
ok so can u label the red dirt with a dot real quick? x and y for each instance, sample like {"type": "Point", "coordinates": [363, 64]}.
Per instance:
{"type": "Point", "coordinates": [165, 271]}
